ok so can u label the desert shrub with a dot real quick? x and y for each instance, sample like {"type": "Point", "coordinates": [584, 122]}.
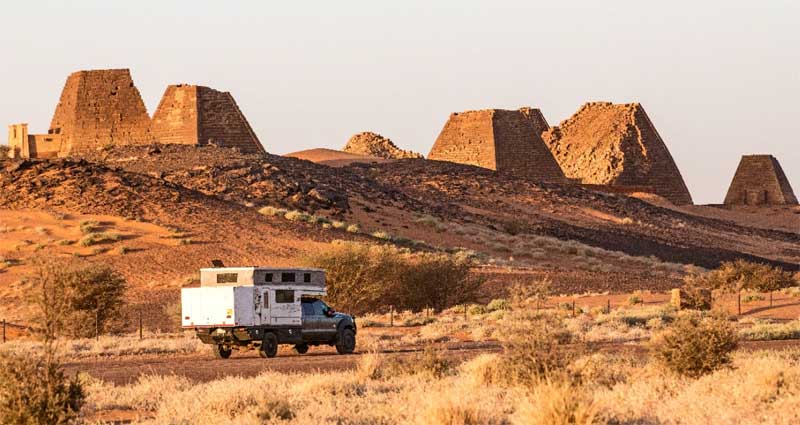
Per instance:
{"type": "Point", "coordinates": [272, 211]}
{"type": "Point", "coordinates": [771, 331]}
{"type": "Point", "coordinates": [365, 278]}
{"type": "Point", "coordinates": [498, 304]}
{"type": "Point", "coordinates": [514, 228]}
{"type": "Point", "coordinates": [749, 298]}
{"type": "Point", "coordinates": [694, 345]}
{"type": "Point", "coordinates": [272, 410]}
{"type": "Point", "coordinates": [635, 298]}
{"type": "Point", "coordinates": [35, 391]}
{"type": "Point", "coordinates": [84, 299]}
{"type": "Point", "coordinates": [96, 238]}
{"type": "Point", "coordinates": [353, 228]}
{"type": "Point", "coordinates": [295, 215]}
{"type": "Point", "coordinates": [531, 348]}
{"type": "Point", "coordinates": [476, 309]}
{"type": "Point", "coordinates": [740, 275]}
{"type": "Point", "coordinates": [627, 220]}
{"type": "Point", "coordinates": [695, 293]}
{"type": "Point", "coordinates": [557, 402]}
{"type": "Point", "coordinates": [88, 226]}
{"type": "Point", "coordinates": [380, 234]}
{"type": "Point", "coordinates": [526, 295]}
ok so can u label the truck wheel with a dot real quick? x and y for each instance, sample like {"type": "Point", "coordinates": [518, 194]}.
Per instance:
{"type": "Point", "coordinates": [301, 348]}
{"type": "Point", "coordinates": [346, 342]}
{"type": "Point", "coordinates": [269, 346]}
{"type": "Point", "coordinates": [222, 352]}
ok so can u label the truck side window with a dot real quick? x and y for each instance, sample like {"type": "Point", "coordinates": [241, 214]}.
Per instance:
{"type": "Point", "coordinates": [308, 309]}
{"type": "Point", "coordinates": [287, 277]}
{"type": "Point", "coordinates": [227, 277]}
{"type": "Point", "coordinates": [319, 308]}
{"type": "Point", "coordinates": [284, 296]}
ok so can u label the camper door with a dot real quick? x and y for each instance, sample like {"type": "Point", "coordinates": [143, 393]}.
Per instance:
{"type": "Point", "coordinates": [285, 307]}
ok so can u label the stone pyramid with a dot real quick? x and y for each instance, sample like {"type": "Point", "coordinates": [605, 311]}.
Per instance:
{"type": "Point", "coordinates": [100, 108]}
{"type": "Point", "coordinates": [616, 145]}
{"type": "Point", "coordinates": [197, 115]}
{"type": "Point", "coordinates": [502, 140]}
{"type": "Point", "coordinates": [759, 180]}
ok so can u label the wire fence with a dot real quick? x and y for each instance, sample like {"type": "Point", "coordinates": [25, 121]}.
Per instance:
{"type": "Point", "coordinates": [16, 328]}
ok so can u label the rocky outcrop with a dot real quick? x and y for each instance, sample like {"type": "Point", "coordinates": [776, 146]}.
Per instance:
{"type": "Point", "coordinates": [373, 144]}
{"type": "Point", "coordinates": [616, 145]}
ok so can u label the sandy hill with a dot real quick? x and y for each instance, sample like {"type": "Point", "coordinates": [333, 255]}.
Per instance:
{"type": "Point", "coordinates": [334, 158]}
{"type": "Point", "coordinates": [177, 207]}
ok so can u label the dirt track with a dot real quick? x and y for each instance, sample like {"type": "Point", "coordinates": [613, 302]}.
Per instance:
{"type": "Point", "coordinates": [203, 368]}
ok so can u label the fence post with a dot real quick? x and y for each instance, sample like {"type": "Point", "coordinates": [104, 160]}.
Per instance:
{"type": "Point", "coordinates": [391, 316]}
{"type": "Point", "coordinates": [140, 323]}
{"type": "Point", "coordinates": [573, 308]}
{"type": "Point", "coordinates": [465, 312]}
{"type": "Point", "coordinates": [770, 298]}
{"type": "Point", "coordinates": [96, 325]}
{"type": "Point", "coordinates": [4, 331]}
{"type": "Point", "coordinates": [608, 307]}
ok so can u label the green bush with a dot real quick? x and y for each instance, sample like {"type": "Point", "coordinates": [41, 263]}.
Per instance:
{"type": "Point", "coordinates": [79, 300]}
{"type": "Point", "coordinates": [694, 345]}
{"type": "Point", "coordinates": [365, 278]}
{"type": "Point", "coordinates": [35, 391]}
{"type": "Point", "coordinates": [498, 304]}
{"type": "Point", "coordinates": [96, 238]}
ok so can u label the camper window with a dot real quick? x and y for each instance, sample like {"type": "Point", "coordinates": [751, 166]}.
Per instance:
{"type": "Point", "coordinates": [227, 277]}
{"type": "Point", "coordinates": [284, 296]}
{"type": "Point", "coordinates": [287, 277]}
{"type": "Point", "coordinates": [268, 277]}
{"type": "Point", "coordinates": [307, 277]}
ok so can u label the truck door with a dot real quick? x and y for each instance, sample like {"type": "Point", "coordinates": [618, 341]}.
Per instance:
{"type": "Point", "coordinates": [285, 307]}
{"type": "Point", "coordinates": [310, 321]}
{"type": "Point", "coordinates": [261, 305]}
{"type": "Point", "coordinates": [326, 325]}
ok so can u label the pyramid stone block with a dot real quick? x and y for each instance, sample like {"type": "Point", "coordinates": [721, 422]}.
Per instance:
{"type": "Point", "coordinates": [502, 140]}
{"type": "Point", "coordinates": [100, 108]}
{"type": "Point", "coordinates": [759, 180]}
{"type": "Point", "coordinates": [616, 145]}
{"type": "Point", "coordinates": [197, 115]}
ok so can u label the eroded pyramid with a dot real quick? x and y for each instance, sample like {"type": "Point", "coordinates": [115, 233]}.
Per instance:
{"type": "Point", "coordinates": [99, 108]}
{"type": "Point", "coordinates": [198, 115]}
{"type": "Point", "coordinates": [616, 145]}
{"type": "Point", "coordinates": [373, 144]}
{"type": "Point", "coordinates": [759, 180]}
{"type": "Point", "coordinates": [502, 140]}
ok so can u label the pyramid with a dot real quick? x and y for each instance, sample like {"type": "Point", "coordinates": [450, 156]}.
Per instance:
{"type": "Point", "coordinates": [99, 108]}
{"type": "Point", "coordinates": [616, 145]}
{"type": "Point", "coordinates": [197, 115]}
{"type": "Point", "coordinates": [759, 180]}
{"type": "Point", "coordinates": [502, 140]}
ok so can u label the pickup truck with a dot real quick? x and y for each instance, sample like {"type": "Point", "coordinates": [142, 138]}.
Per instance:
{"type": "Point", "coordinates": [242, 308]}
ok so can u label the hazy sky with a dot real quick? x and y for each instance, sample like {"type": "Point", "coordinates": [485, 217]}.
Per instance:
{"type": "Point", "coordinates": [718, 78]}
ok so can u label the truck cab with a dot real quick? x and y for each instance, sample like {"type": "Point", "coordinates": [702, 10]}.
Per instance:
{"type": "Point", "coordinates": [261, 307]}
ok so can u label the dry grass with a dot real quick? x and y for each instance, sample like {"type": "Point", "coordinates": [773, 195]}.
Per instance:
{"type": "Point", "coordinates": [761, 388]}
{"type": "Point", "coordinates": [114, 346]}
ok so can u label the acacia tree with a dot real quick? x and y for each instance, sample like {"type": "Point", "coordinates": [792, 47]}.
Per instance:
{"type": "Point", "coordinates": [737, 276]}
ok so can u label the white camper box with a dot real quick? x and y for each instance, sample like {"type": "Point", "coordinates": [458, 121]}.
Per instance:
{"type": "Point", "coordinates": [249, 296]}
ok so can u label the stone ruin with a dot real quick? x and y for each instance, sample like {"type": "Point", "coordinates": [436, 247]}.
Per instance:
{"type": "Point", "coordinates": [373, 144]}
{"type": "Point", "coordinates": [616, 146]}
{"type": "Point", "coordinates": [502, 140]}
{"type": "Point", "coordinates": [759, 180]}
{"type": "Point", "coordinates": [101, 108]}
{"type": "Point", "coordinates": [197, 115]}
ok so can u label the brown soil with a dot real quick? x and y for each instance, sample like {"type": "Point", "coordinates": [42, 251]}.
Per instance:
{"type": "Point", "coordinates": [334, 158]}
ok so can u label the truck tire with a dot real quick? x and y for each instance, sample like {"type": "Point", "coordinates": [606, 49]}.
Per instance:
{"type": "Point", "coordinates": [269, 346]}
{"type": "Point", "coordinates": [346, 342]}
{"type": "Point", "coordinates": [301, 348]}
{"type": "Point", "coordinates": [222, 352]}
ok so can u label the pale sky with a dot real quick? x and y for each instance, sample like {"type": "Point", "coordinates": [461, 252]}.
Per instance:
{"type": "Point", "coordinates": [719, 79]}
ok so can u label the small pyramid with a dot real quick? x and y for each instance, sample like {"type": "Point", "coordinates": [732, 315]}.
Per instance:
{"type": "Point", "coordinates": [198, 115]}
{"type": "Point", "coordinates": [100, 108]}
{"type": "Point", "coordinates": [502, 140]}
{"type": "Point", "coordinates": [759, 180]}
{"type": "Point", "coordinates": [616, 145]}
{"type": "Point", "coordinates": [373, 144]}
